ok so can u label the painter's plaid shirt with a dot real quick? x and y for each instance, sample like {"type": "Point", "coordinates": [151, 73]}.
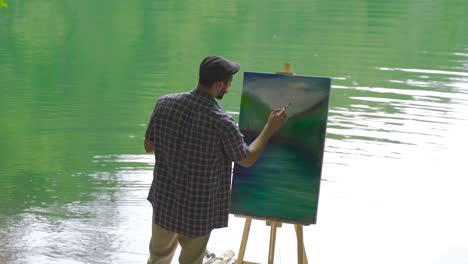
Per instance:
{"type": "Point", "coordinates": [195, 143]}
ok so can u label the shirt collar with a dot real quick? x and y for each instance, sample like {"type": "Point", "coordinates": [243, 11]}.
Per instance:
{"type": "Point", "coordinates": [203, 95]}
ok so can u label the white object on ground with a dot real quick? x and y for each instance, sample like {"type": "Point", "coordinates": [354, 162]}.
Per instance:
{"type": "Point", "coordinates": [226, 258]}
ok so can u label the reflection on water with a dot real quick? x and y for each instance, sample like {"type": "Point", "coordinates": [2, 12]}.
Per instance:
{"type": "Point", "coordinates": [78, 82]}
{"type": "Point", "coordinates": [112, 227]}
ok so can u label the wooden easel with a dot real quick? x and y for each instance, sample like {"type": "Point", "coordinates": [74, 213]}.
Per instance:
{"type": "Point", "coordinates": [301, 254]}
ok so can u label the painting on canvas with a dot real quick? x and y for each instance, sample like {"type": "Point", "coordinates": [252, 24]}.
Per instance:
{"type": "Point", "coordinates": [284, 183]}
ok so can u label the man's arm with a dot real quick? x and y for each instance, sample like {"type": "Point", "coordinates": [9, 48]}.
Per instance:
{"type": "Point", "coordinates": [149, 146]}
{"type": "Point", "coordinates": [274, 123]}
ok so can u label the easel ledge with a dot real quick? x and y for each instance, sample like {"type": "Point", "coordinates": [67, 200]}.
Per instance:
{"type": "Point", "coordinates": [301, 254]}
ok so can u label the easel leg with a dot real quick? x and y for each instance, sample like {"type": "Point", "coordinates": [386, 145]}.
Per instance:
{"type": "Point", "coordinates": [271, 253]}
{"type": "Point", "coordinates": [245, 236]}
{"type": "Point", "coordinates": [301, 254]}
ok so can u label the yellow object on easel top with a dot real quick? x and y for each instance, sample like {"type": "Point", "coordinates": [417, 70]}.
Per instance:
{"type": "Point", "coordinates": [287, 70]}
{"type": "Point", "coordinates": [3, 4]}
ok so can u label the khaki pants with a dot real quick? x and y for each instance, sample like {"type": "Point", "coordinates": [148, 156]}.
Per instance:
{"type": "Point", "coordinates": [164, 243]}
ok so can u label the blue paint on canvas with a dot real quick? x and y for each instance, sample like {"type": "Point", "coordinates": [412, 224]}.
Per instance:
{"type": "Point", "coordinates": [284, 183]}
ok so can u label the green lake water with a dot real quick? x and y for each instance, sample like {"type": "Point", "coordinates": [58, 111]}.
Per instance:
{"type": "Point", "coordinates": [78, 80]}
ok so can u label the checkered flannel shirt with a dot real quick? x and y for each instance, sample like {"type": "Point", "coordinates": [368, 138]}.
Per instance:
{"type": "Point", "coordinates": [195, 143]}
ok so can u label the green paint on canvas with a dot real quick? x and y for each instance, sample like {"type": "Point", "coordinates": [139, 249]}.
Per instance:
{"type": "Point", "coordinates": [3, 4]}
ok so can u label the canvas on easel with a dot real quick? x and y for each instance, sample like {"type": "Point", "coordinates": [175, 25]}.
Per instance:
{"type": "Point", "coordinates": [283, 185]}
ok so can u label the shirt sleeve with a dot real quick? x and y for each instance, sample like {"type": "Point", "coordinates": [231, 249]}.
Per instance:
{"type": "Point", "coordinates": [232, 140]}
{"type": "Point", "coordinates": [149, 134]}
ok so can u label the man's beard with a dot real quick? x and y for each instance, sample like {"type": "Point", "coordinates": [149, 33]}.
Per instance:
{"type": "Point", "coordinates": [221, 94]}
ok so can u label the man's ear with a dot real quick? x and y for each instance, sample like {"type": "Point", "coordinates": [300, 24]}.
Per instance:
{"type": "Point", "coordinates": [219, 85]}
